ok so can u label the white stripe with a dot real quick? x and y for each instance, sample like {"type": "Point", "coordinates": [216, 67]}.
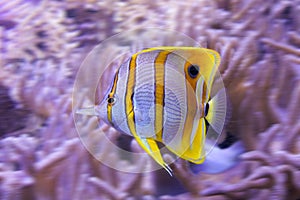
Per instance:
{"type": "Point", "coordinates": [199, 109]}
{"type": "Point", "coordinates": [119, 117]}
{"type": "Point", "coordinates": [144, 97]}
{"type": "Point", "coordinates": [175, 84]}
{"type": "Point", "coordinates": [211, 77]}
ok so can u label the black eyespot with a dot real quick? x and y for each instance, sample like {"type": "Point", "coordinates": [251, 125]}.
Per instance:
{"type": "Point", "coordinates": [193, 71]}
{"type": "Point", "coordinates": [206, 109]}
{"type": "Point", "coordinates": [132, 96]}
{"type": "Point", "coordinates": [111, 100]}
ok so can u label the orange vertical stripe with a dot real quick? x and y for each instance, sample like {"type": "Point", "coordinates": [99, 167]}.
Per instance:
{"type": "Point", "coordinates": [128, 96]}
{"type": "Point", "coordinates": [159, 92]}
{"type": "Point", "coordinates": [191, 84]}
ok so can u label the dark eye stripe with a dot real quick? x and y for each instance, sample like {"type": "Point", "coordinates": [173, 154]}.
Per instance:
{"type": "Point", "coordinates": [111, 94]}
{"type": "Point", "coordinates": [191, 78]}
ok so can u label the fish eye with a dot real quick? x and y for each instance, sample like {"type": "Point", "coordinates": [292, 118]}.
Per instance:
{"type": "Point", "coordinates": [193, 71]}
{"type": "Point", "coordinates": [111, 100]}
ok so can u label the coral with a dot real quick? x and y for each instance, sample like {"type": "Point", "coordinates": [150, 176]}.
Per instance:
{"type": "Point", "coordinates": [37, 74]}
{"type": "Point", "coordinates": [8, 112]}
{"type": "Point", "coordinates": [52, 168]}
{"type": "Point", "coordinates": [39, 39]}
{"type": "Point", "coordinates": [261, 75]}
{"type": "Point", "coordinates": [42, 44]}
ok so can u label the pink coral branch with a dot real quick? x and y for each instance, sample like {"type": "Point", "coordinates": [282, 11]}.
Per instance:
{"type": "Point", "coordinates": [267, 137]}
{"type": "Point", "coordinates": [259, 156]}
{"type": "Point", "coordinates": [288, 158]}
{"type": "Point", "coordinates": [244, 10]}
{"type": "Point", "coordinates": [262, 178]}
{"type": "Point", "coordinates": [290, 144]}
{"type": "Point", "coordinates": [293, 175]}
{"type": "Point", "coordinates": [294, 37]}
{"type": "Point", "coordinates": [281, 46]}
{"type": "Point", "coordinates": [107, 189]}
{"type": "Point", "coordinates": [182, 173]}
{"type": "Point", "coordinates": [294, 108]}
{"type": "Point", "coordinates": [54, 158]}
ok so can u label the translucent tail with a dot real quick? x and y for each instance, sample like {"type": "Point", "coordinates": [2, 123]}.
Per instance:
{"type": "Point", "coordinates": [88, 111]}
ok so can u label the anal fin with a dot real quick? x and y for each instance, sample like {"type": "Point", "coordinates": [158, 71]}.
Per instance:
{"type": "Point", "coordinates": [192, 151]}
{"type": "Point", "coordinates": [151, 147]}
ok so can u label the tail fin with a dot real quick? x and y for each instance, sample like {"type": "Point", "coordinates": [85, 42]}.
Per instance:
{"type": "Point", "coordinates": [87, 111]}
{"type": "Point", "coordinates": [216, 114]}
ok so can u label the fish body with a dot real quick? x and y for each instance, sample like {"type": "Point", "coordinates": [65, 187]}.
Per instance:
{"type": "Point", "coordinates": [162, 94]}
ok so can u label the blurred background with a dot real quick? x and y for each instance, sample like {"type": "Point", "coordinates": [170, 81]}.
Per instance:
{"type": "Point", "coordinates": [43, 43]}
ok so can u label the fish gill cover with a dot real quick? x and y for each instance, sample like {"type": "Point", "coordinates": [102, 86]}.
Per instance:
{"type": "Point", "coordinates": [42, 44]}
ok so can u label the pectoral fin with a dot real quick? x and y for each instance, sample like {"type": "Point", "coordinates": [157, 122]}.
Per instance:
{"type": "Point", "coordinates": [217, 111]}
{"type": "Point", "coordinates": [150, 146]}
